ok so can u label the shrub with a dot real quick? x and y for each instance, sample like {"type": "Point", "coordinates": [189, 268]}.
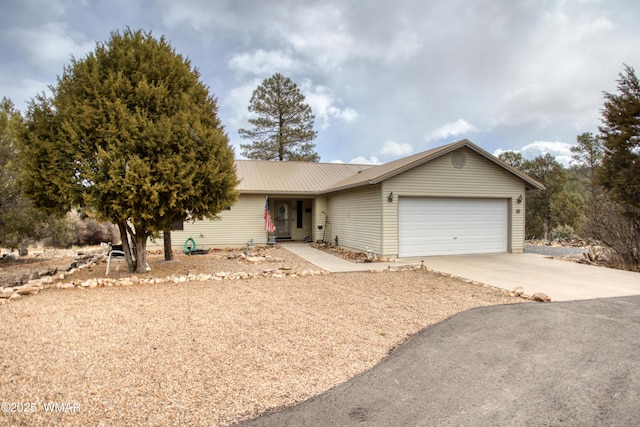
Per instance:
{"type": "Point", "coordinates": [58, 232]}
{"type": "Point", "coordinates": [562, 232]}
{"type": "Point", "coordinates": [71, 230]}
{"type": "Point", "coordinates": [609, 222]}
{"type": "Point", "coordinates": [90, 232]}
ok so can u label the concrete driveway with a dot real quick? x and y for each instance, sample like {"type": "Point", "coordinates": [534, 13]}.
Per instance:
{"type": "Point", "coordinates": [572, 363]}
{"type": "Point", "coordinates": [561, 280]}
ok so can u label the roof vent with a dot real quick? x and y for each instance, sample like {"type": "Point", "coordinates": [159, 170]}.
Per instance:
{"type": "Point", "coordinates": [458, 159]}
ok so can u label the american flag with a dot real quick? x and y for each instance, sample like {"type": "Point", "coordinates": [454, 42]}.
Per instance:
{"type": "Point", "coordinates": [268, 224]}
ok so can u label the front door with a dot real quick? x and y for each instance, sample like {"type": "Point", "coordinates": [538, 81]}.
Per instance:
{"type": "Point", "coordinates": [283, 220]}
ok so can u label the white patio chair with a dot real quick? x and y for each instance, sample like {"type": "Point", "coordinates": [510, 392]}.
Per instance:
{"type": "Point", "coordinates": [117, 255]}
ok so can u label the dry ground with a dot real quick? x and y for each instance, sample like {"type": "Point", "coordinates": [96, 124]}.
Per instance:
{"type": "Point", "coordinates": [210, 353]}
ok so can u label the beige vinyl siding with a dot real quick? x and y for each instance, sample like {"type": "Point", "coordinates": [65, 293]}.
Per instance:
{"type": "Point", "coordinates": [234, 227]}
{"type": "Point", "coordinates": [318, 212]}
{"type": "Point", "coordinates": [439, 178]}
{"type": "Point", "coordinates": [354, 216]}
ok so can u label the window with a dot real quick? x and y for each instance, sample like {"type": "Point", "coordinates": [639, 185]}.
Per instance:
{"type": "Point", "coordinates": [177, 226]}
{"type": "Point", "coordinates": [299, 212]}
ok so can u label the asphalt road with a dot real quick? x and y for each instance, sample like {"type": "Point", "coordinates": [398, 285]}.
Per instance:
{"type": "Point", "coordinates": [572, 363]}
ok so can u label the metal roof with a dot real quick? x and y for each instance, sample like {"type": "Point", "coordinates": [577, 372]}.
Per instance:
{"type": "Point", "coordinates": [264, 176]}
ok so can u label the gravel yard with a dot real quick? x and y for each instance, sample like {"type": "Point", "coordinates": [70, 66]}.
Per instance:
{"type": "Point", "coordinates": [209, 352]}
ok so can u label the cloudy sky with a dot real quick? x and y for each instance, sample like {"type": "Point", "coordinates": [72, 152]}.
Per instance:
{"type": "Point", "coordinates": [384, 79]}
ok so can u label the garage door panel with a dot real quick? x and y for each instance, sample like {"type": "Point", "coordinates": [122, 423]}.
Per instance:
{"type": "Point", "coordinates": [448, 226]}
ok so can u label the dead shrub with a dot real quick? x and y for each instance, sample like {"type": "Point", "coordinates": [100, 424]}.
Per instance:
{"type": "Point", "coordinates": [617, 227]}
{"type": "Point", "coordinates": [89, 232]}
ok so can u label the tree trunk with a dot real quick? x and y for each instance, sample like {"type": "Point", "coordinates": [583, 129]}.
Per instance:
{"type": "Point", "coordinates": [126, 248]}
{"type": "Point", "coordinates": [168, 252]}
{"type": "Point", "coordinates": [547, 229]}
{"type": "Point", "coordinates": [140, 240]}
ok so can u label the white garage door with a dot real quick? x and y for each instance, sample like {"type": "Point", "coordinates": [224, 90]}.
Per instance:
{"type": "Point", "coordinates": [446, 226]}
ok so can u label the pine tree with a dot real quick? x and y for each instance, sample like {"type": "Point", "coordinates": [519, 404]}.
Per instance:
{"type": "Point", "coordinates": [588, 153]}
{"type": "Point", "coordinates": [539, 212]}
{"type": "Point", "coordinates": [130, 135]}
{"type": "Point", "coordinates": [513, 159]}
{"type": "Point", "coordinates": [283, 129]}
{"type": "Point", "coordinates": [620, 133]}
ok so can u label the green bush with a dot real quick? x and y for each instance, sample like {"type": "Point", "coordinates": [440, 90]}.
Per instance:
{"type": "Point", "coordinates": [58, 232]}
{"type": "Point", "coordinates": [562, 232]}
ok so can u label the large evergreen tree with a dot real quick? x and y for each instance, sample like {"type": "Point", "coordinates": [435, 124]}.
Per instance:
{"type": "Point", "coordinates": [614, 217]}
{"type": "Point", "coordinates": [283, 128]}
{"type": "Point", "coordinates": [130, 135]}
{"type": "Point", "coordinates": [19, 220]}
{"type": "Point", "coordinates": [620, 133]}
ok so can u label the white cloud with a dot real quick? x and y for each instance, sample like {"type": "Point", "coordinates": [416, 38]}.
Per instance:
{"type": "Point", "coordinates": [500, 151]}
{"type": "Point", "coordinates": [360, 160]}
{"type": "Point", "coordinates": [390, 149]}
{"type": "Point", "coordinates": [237, 102]}
{"type": "Point", "coordinates": [332, 35]}
{"type": "Point", "coordinates": [395, 149]}
{"type": "Point", "coordinates": [179, 14]}
{"type": "Point", "coordinates": [347, 115]}
{"type": "Point", "coordinates": [459, 127]}
{"type": "Point", "coordinates": [21, 91]}
{"type": "Point", "coordinates": [551, 89]}
{"type": "Point", "coordinates": [327, 44]}
{"type": "Point", "coordinates": [561, 151]}
{"type": "Point", "coordinates": [323, 104]}
{"type": "Point", "coordinates": [261, 62]}
{"type": "Point", "coordinates": [53, 44]}
{"type": "Point", "coordinates": [403, 46]}
{"type": "Point", "coordinates": [575, 27]}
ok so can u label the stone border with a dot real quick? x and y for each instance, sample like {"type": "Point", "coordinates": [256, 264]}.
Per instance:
{"type": "Point", "coordinates": [34, 286]}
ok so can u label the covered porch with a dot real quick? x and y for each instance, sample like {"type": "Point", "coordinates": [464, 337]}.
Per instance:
{"type": "Point", "coordinates": [297, 218]}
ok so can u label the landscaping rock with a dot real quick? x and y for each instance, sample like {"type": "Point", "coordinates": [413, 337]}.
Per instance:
{"type": "Point", "coordinates": [540, 297]}
{"type": "Point", "coordinates": [26, 290]}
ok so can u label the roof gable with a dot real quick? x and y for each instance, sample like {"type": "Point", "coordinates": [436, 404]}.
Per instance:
{"type": "Point", "coordinates": [380, 173]}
